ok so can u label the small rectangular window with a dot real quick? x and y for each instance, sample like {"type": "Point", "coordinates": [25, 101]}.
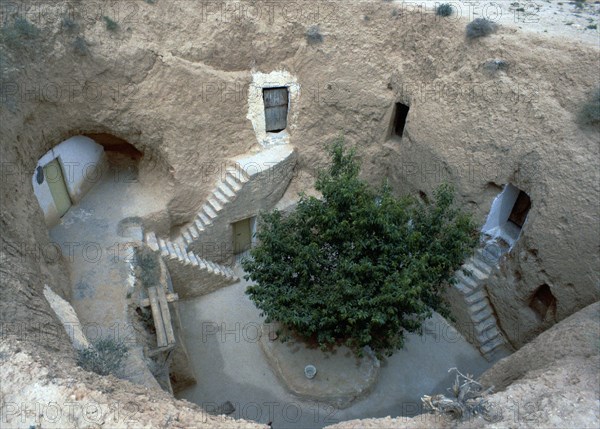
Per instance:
{"type": "Point", "coordinates": [400, 114]}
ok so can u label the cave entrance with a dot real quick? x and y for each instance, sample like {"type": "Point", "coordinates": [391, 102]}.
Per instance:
{"type": "Point", "coordinates": [65, 174]}
{"type": "Point", "coordinates": [542, 302]}
{"type": "Point", "coordinates": [400, 116]}
{"type": "Point", "coordinates": [276, 102]}
{"type": "Point", "coordinates": [508, 215]}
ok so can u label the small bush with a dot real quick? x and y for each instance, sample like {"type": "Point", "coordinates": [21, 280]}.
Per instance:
{"type": "Point", "coordinates": [313, 35]}
{"type": "Point", "coordinates": [148, 266]}
{"type": "Point", "coordinates": [69, 25]}
{"type": "Point", "coordinates": [80, 46]}
{"type": "Point", "coordinates": [20, 33]}
{"type": "Point", "coordinates": [445, 9]}
{"type": "Point", "coordinates": [103, 357]}
{"type": "Point", "coordinates": [110, 24]}
{"type": "Point", "coordinates": [480, 27]}
{"type": "Point", "coordinates": [589, 114]}
{"type": "Point", "coordinates": [496, 65]}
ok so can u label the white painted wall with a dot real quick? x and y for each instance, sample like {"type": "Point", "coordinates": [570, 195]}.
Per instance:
{"type": "Point", "coordinates": [256, 107]}
{"type": "Point", "coordinates": [82, 161]}
{"type": "Point", "coordinates": [501, 208]}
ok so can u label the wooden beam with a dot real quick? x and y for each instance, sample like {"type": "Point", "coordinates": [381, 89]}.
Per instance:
{"type": "Point", "coordinates": [161, 337]}
{"type": "Point", "coordinates": [166, 316]}
{"type": "Point", "coordinates": [171, 297]}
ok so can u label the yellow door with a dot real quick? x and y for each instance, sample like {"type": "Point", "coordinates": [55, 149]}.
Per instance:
{"type": "Point", "coordinates": [58, 188]}
{"type": "Point", "coordinates": [242, 236]}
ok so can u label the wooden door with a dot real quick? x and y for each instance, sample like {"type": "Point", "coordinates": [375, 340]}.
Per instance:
{"type": "Point", "coordinates": [58, 188]}
{"type": "Point", "coordinates": [242, 236]}
{"type": "Point", "coordinates": [276, 108]}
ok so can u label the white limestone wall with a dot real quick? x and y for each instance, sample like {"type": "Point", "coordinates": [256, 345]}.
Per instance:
{"type": "Point", "coordinates": [82, 161]}
{"type": "Point", "coordinates": [256, 107]}
{"type": "Point", "coordinates": [501, 208]}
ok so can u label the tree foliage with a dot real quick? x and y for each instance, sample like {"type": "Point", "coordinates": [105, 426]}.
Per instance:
{"type": "Point", "coordinates": [358, 266]}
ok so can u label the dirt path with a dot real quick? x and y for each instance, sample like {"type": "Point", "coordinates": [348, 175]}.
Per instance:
{"type": "Point", "coordinates": [99, 261]}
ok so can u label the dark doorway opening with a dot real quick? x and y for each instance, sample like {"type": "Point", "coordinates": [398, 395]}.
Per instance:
{"type": "Point", "coordinates": [519, 211]}
{"type": "Point", "coordinates": [400, 115]}
{"type": "Point", "coordinates": [542, 302]}
{"type": "Point", "coordinates": [276, 109]}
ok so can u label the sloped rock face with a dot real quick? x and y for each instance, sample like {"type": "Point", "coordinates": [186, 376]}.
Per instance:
{"type": "Point", "coordinates": [38, 390]}
{"type": "Point", "coordinates": [551, 382]}
{"type": "Point", "coordinates": [172, 80]}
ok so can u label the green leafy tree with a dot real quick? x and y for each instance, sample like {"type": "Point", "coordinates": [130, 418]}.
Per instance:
{"type": "Point", "coordinates": [358, 266]}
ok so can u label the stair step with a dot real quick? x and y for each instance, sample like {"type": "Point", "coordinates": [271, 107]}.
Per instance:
{"type": "Point", "coordinates": [462, 288]}
{"type": "Point", "coordinates": [199, 224]}
{"type": "Point", "coordinates": [162, 245]}
{"type": "Point", "coordinates": [488, 347]}
{"type": "Point", "coordinates": [226, 190]}
{"type": "Point", "coordinates": [475, 273]}
{"type": "Point", "coordinates": [193, 230]}
{"type": "Point", "coordinates": [220, 197]}
{"type": "Point", "coordinates": [209, 211]}
{"type": "Point", "coordinates": [476, 297]}
{"type": "Point", "coordinates": [488, 328]}
{"type": "Point", "coordinates": [481, 263]}
{"type": "Point", "coordinates": [466, 280]}
{"type": "Point", "coordinates": [179, 252]}
{"type": "Point", "coordinates": [243, 175]}
{"type": "Point", "coordinates": [204, 219]}
{"type": "Point", "coordinates": [187, 237]}
{"type": "Point", "coordinates": [482, 315]}
{"type": "Point", "coordinates": [488, 256]}
{"type": "Point", "coordinates": [477, 307]}
{"type": "Point", "coordinates": [215, 204]}
{"type": "Point", "coordinates": [192, 257]}
{"type": "Point", "coordinates": [171, 250]}
{"type": "Point", "coordinates": [233, 182]}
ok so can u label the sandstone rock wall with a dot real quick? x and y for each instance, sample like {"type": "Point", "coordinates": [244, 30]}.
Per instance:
{"type": "Point", "coordinates": [171, 81]}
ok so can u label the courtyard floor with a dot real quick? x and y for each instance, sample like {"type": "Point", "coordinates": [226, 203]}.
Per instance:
{"type": "Point", "coordinates": [231, 366]}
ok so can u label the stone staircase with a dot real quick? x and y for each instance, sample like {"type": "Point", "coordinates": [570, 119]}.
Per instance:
{"type": "Point", "coordinates": [191, 275]}
{"type": "Point", "coordinates": [472, 309]}
{"type": "Point", "coordinates": [225, 192]}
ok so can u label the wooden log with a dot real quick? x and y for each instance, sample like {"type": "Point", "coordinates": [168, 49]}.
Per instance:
{"type": "Point", "coordinates": [161, 337]}
{"type": "Point", "coordinates": [171, 297]}
{"type": "Point", "coordinates": [166, 316]}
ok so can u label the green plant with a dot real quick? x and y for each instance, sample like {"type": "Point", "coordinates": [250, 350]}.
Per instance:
{"type": "Point", "coordinates": [589, 113]}
{"type": "Point", "coordinates": [110, 24]}
{"type": "Point", "coordinates": [480, 27]}
{"type": "Point", "coordinates": [357, 267]}
{"type": "Point", "coordinates": [148, 266]}
{"type": "Point", "coordinates": [105, 356]}
{"type": "Point", "coordinates": [445, 9]}
{"type": "Point", "coordinates": [69, 25]}
{"type": "Point", "coordinates": [20, 34]}
{"type": "Point", "coordinates": [313, 35]}
{"type": "Point", "coordinates": [80, 46]}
